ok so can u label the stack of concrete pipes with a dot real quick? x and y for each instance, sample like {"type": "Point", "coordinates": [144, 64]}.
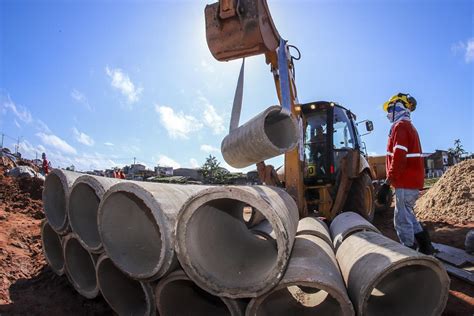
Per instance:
{"type": "Point", "coordinates": [168, 249]}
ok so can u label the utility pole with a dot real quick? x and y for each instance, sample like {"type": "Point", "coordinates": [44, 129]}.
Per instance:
{"type": "Point", "coordinates": [3, 135]}
{"type": "Point", "coordinates": [17, 147]}
{"type": "Point", "coordinates": [134, 160]}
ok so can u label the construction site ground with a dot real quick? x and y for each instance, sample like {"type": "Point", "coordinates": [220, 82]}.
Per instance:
{"type": "Point", "coordinates": [29, 287]}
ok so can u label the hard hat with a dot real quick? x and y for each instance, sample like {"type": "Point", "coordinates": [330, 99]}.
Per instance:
{"type": "Point", "coordinates": [406, 99]}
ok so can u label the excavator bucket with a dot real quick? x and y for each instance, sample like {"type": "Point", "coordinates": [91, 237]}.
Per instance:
{"type": "Point", "coordinates": [240, 28]}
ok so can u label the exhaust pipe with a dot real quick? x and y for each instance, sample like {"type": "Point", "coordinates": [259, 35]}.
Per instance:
{"type": "Point", "coordinates": [312, 283]}
{"type": "Point", "coordinates": [56, 191]}
{"type": "Point", "coordinates": [80, 267]}
{"type": "Point", "coordinates": [176, 294]}
{"type": "Point", "coordinates": [269, 134]}
{"type": "Point", "coordinates": [125, 296]}
{"type": "Point", "coordinates": [348, 223]}
{"type": "Point", "coordinates": [52, 248]}
{"type": "Point", "coordinates": [86, 194]}
{"type": "Point", "coordinates": [136, 224]}
{"type": "Point", "coordinates": [217, 250]}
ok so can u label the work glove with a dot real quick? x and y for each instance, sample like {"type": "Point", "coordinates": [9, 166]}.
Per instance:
{"type": "Point", "coordinates": [383, 193]}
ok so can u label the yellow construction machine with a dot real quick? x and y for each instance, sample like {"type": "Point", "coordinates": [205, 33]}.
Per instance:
{"type": "Point", "coordinates": [327, 172]}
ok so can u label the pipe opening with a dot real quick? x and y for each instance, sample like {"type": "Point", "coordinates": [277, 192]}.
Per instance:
{"type": "Point", "coordinates": [83, 207]}
{"type": "Point", "coordinates": [52, 248]}
{"type": "Point", "coordinates": [80, 266]}
{"type": "Point", "coordinates": [410, 290]}
{"type": "Point", "coordinates": [300, 300]}
{"type": "Point", "coordinates": [130, 234]}
{"type": "Point", "coordinates": [54, 201]}
{"type": "Point", "coordinates": [126, 296]}
{"type": "Point", "coordinates": [219, 243]}
{"type": "Point", "coordinates": [197, 301]}
{"type": "Point", "coordinates": [280, 130]}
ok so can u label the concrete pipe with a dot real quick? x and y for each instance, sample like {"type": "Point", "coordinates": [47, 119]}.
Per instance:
{"type": "Point", "coordinates": [264, 229]}
{"type": "Point", "coordinates": [219, 252]}
{"type": "Point", "coordinates": [267, 135]}
{"type": "Point", "coordinates": [311, 285]}
{"type": "Point", "coordinates": [346, 224]}
{"type": "Point", "coordinates": [176, 288]}
{"type": "Point", "coordinates": [386, 278]}
{"type": "Point", "coordinates": [56, 191]}
{"type": "Point", "coordinates": [136, 224]}
{"type": "Point", "coordinates": [84, 200]}
{"type": "Point", "coordinates": [52, 248]}
{"type": "Point", "coordinates": [80, 266]}
{"type": "Point", "coordinates": [125, 296]}
{"type": "Point", "coordinates": [314, 226]}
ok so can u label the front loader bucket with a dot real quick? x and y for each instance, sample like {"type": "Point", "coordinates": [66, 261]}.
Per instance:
{"type": "Point", "coordinates": [237, 29]}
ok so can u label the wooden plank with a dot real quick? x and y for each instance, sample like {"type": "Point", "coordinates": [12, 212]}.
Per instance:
{"type": "Point", "coordinates": [460, 273]}
{"type": "Point", "coordinates": [455, 252]}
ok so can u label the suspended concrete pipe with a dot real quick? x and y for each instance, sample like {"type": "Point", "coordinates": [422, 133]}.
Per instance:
{"type": "Point", "coordinates": [176, 294]}
{"type": "Point", "coordinates": [267, 135]}
{"type": "Point", "coordinates": [311, 285]}
{"type": "Point", "coordinates": [380, 272]}
{"type": "Point", "coordinates": [80, 266]}
{"type": "Point", "coordinates": [136, 224]}
{"type": "Point", "coordinates": [56, 191]}
{"type": "Point", "coordinates": [346, 224]}
{"type": "Point", "coordinates": [52, 248]}
{"type": "Point", "coordinates": [86, 193]}
{"type": "Point", "coordinates": [217, 250]}
{"type": "Point", "coordinates": [125, 296]}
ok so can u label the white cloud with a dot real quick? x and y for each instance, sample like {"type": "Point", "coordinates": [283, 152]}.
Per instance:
{"type": "Point", "coordinates": [209, 149]}
{"type": "Point", "coordinates": [83, 138]}
{"type": "Point", "coordinates": [165, 161]}
{"type": "Point", "coordinates": [465, 48]}
{"type": "Point", "coordinates": [206, 66]}
{"type": "Point", "coordinates": [41, 126]}
{"type": "Point", "coordinates": [56, 142]}
{"type": "Point", "coordinates": [178, 125]}
{"type": "Point", "coordinates": [121, 81]}
{"type": "Point", "coordinates": [194, 163]}
{"type": "Point", "coordinates": [109, 144]}
{"type": "Point", "coordinates": [211, 119]}
{"type": "Point", "coordinates": [81, 99]}
{"type": "Point", "coordinates": [19, 111]}
{"type": "Point", "coordinates": [17, 124]}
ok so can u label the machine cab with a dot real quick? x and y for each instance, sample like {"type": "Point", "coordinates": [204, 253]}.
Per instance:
{"type": "Point", "coordinates": [329, 132]}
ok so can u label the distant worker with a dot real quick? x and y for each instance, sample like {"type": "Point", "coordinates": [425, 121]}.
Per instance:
{"type": "Point", "coordinates": [405, 172]}
{"type": "Point", "coordinates": [267, 174]}
{"type": "Point", "coordinates": [121, 175]}
{"type": "Point", "coordinates": [46, 164]}
{"type": "Point", "coordinates": [115, 174]}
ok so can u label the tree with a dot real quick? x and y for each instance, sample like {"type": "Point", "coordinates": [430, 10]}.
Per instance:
{"type": "Point", "coordinates": [212, 172]}
{"type": "Point", "coordinates": [458, 149]}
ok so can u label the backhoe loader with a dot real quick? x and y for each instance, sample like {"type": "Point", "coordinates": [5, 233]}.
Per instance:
{"type": "Point", "coordinates": [327, 172]}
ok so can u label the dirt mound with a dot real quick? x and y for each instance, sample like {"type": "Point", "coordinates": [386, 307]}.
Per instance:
{"type": "Point", "coordinates": [451, 199]}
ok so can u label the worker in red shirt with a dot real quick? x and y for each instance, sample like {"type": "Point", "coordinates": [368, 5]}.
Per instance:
{"type": "Point", "coordinates": [405, 172]}
{"type": "Point", "coordinates": [45, 166]}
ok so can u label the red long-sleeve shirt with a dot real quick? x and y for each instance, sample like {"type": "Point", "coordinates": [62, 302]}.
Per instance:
{"type": "Point", "coordinates": [404, 163]}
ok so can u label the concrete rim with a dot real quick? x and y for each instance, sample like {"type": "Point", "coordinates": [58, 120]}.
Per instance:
{"type": "Point", "coordinates": [56, 188]}
{"type": "Point", "coordinates": [274, 112]}
{"type": "Point", "coordinates": [189, 209]}
{"type": "Point", "coordinates": [72, 240]}
{"type": "Point", "coordinates": [54, 255]}
{"type": "Point", "coordinates": [422, 260]}
{"type": "Point", "coordinates": [99, 191]}
{"type": "Point", "coordinates": [164, 262]}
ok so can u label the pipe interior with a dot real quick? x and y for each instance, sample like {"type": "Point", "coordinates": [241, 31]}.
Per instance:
{"type": "Point", "coordinates": [410, 290]}
{"type": "Point", "coordinates": [52, 248]}
{"type": "Point", "coordinates": [197, 301]}
{"type": "Point", "coordinates": [125, 295]}
{"type": "Point", "coordinates": [83, 207]}
{"type": "Point", "coordinates": [299, 300]}
{"type": "Point", "coordinates": [221, 245]}
{"type": "Point", "coordinates": [80, 266]}
{"type": "Point", "coordinates": [130, 234]}
{"type": "Point", "coordinates": [54, 201]}
{"type": "Point", "coordinates": [280, 130]}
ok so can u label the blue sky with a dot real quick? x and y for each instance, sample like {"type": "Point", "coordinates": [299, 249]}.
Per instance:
{"type": "Point", "coordinates": [96, 83]}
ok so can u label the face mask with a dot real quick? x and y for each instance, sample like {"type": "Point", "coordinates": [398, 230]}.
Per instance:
{"type": "Point", "coordinates": [390, 116]}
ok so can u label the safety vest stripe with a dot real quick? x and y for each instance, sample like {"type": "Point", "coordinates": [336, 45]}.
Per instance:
{"type": "Point", "coordinates": [400, 147]}
{"type": "Point", "coordinates": [407, 155]}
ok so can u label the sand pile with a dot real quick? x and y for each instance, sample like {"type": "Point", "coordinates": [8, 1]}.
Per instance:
{"type": "Point", "coordinates": [451, 199]}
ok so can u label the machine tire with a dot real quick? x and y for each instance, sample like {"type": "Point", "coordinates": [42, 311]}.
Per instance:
{"type": "Point", "coordinates": [361, 198]}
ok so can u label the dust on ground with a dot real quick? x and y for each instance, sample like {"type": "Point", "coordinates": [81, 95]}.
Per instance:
{"type": "Point", "coordinates": [451, 199]}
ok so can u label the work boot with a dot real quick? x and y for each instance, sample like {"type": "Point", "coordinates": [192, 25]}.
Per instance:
{"type": "Point", "coordinates": [424, 243]}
